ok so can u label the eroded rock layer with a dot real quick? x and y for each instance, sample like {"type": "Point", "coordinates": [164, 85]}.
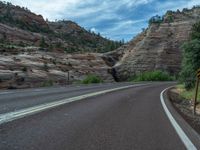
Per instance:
{"type": "Point", "coordinates": [159, 47]}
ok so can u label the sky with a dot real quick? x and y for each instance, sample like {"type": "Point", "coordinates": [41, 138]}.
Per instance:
{"type": "Point", "coordinates": [114, 19]}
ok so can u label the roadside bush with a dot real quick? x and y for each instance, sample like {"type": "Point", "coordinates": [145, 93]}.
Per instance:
{"type": "Point", "coordinates": [47, 83]}
{"type": "Point", "coordinates": [152, 76]}
{"type": "Point", "coordinates": [191, 58]}
{"type": "Point", "coordinates": [92, 79]}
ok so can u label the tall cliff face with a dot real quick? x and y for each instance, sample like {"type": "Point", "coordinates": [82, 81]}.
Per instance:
{"type": "Point", "coordinates": [22, 18]}
{"type": "Point", "coordinates": [20, 26]}
{"type": "Point", "coordinates": [159, 47]}
{"type": "Point", "coordinates": [35, 52]}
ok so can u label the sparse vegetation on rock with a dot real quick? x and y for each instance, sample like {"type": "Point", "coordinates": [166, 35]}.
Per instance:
{"type": "Point", "coordinates": [156, 48]}
{"type": "Point", "coordinates": [47, 83]}
{"type": "Point", "coordinates": [152, 76]}
{"type": "Point", "coordinates": [92, 79]}
{"type": "Point", "coordinates": [19, 25]}
{"type": "Point", "coordinates": [156, 19]}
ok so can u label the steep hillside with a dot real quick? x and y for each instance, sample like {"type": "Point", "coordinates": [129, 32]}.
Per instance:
{"type": "Point", "coordinates": [157, 48]}
{"type": "Point", "coordinates": [62, 36]}
{"type": "Point", "coordinates": [80, 40]}
{"type": "Point", "coordinates": [33, 68]}
{"type": "Point", "coordinates": [16, 16]}
{"type": "Point", "coordinates": [35, 52]}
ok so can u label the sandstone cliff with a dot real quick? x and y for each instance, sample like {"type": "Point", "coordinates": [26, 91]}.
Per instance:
{"type": "Point", "coordinates": [20, 26]}
{"type": "Point", "coordinates": [157, 48]}
{"type": "Point", "coordinates": [35, 52]}
{"type": "Point", "coordinates": [30, 67]}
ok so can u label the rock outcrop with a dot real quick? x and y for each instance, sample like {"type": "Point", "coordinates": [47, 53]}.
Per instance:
{"type": "Point", "coordinates": [31, 67]}
{"type": "Point", "coordinates": [63, 36]}
{"type": "Point", "coordinates": [159, 47]}
{"type": "Point", "coordinates": [22, 18]}
{"type": "Point", "coordinates": [35, 52]}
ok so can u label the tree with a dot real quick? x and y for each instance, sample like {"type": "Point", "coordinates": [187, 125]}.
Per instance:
{"type": "Point", "coordinates": [43, 43]}
{"type": "Point", "coordinates": [156, 19]}
{"type": "Point", "coordinates": [196, 31]}
{"type": "Point", "coordinates": [191, 58]}
{"type": "Point", "coordinates": [4, 38]}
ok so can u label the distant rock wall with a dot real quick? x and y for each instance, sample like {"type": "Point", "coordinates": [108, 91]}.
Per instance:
{"type": "Point", "coordinates": [22, 18]}
{"type": "Point", "coordinates": [16, 36]}
{"type": "Point", "coordinates": [33, 68]}
{"type": "Point", "coordinates": [159, 47]}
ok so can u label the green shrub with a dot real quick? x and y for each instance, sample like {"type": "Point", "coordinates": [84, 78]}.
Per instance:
{"type": "Point", "coordinates": [156, 19]}
{"type": "Point", "coordinates": [43, 43]}
{"type": "Point", "coordinates": [47, 83]}
{"type": "Point", "coordinates": [187, 94]}
{"type": "Point", "coordinates": [191, 58]}
{"type": "Point", "coordinates": [92, 79]}
{"type": "Point", "coordinates": [24, 69]}
{"type": "Point", "coordinates": [152, 76]}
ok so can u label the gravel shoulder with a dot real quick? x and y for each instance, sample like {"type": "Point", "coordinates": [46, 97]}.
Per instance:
{"type": "Point", "coordinates": [185, 108]}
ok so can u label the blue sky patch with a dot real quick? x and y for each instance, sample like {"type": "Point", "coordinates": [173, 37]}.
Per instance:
{"type": "Point", "coordinates": [114, 19]}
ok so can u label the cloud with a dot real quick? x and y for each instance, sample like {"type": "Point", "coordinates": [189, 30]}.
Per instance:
{"type": "Point", "coordinates": [94, 30]}
{"type": "Point", "coordinates": [57, 9]}
{"type": "Point", "coordinates": [50, 9]}
{"type": "Point", "coordinates": [116, 19]}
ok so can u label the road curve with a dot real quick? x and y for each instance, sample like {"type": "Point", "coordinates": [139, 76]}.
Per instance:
{"type": "Point", "coordinates": [13, 100]}
{"type": "Point", "coordinates": [129, 119]}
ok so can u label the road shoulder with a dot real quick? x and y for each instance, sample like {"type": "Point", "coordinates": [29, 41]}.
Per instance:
{"type": "Point", "coordinates": [188, 135]}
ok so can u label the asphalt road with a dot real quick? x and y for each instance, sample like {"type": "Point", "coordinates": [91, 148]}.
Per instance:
{"type": "Point", "coordinates": [13, 100]}
{"type": "Point", "coordinates": [129, 119]}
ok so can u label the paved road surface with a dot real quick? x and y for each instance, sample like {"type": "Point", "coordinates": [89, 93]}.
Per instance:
{"type": "Point", "coordinates": [129, 119]}
{"type": "Point", "coordinates": [13, 100]}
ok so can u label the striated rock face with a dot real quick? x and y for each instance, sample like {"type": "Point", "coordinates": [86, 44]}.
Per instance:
{"type": "Point", "coordinates": [17, 36]}
{"type": "Point", "coordinates": [17, 23]}
{"type": "Point", "coordinates": [33, 68]}
{"type": "Point", "coordinates": [35, 52]}
{"type": "Point", "coordinates": [159, 47]}
{"type": "Point", "coordinates": [76, 39]}
{"type": "Point", "coordinates": [22, 18]}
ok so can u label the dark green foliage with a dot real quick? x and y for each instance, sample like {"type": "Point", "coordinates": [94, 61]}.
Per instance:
{"type": "Point", "coordinates": [85, 41]}
{"type": "Point", "coordinates": [24, 69]}
{"type": "Point", "coordinates": [43, 44]}
{"type": "Point", "coordinates": [191, 58]}
{"type": "Point", "coordinates": [190, 63]}
{"type": "Point", "coordinates": [92, 79]}
{"type": "Point", "coordinates": [152, 76]}
{"type": "Point", "coordinates": [47, 83]}
{"type": "Point", "coordinates": [196, 31]}
{"type": "Point", "coordinates": [170, 18]}
{"type": "Point", "coordinates": [8, 17]}
{"type": "Point", "coordinates": [69, 50]}
{"type": "Point", "coordinates": [156, 19]}
{"type": "Point", "coordinates": [73, 38]}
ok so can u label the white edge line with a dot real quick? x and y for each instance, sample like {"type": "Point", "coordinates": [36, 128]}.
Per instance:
{"type": "Point", "coordinates": [184, 138]}
{"type": "Point", "coordinates": [5, 93]}
{"type": "Point", "coordinates": [7, 117]}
